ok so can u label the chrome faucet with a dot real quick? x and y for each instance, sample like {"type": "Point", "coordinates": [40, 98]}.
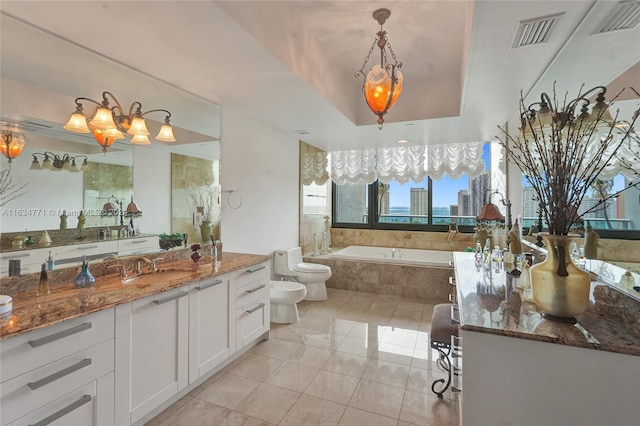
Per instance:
{"type": "Point", "coordinates": [137, 262]}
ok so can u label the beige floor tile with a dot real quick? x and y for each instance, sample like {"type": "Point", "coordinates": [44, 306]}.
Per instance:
{"type": "Point", "coordinates": [422, 409]}
{"type": "Point", "coordinates": [275, 348]}
{"type": "Point", "coordinates": [312, 411]}
{"type": "Point", "coordinates": [311, 356]}
{"type": "Point", "coordinates": [196, 412]}
{"type": "Point", "coordinates": [268, 402]}
{"type": "Point", "coordinates": [228, 390]}
{"type": "Point", "coordinates": [356, 417]}
{"type": "Point", "coordinates": [400, 337]}
{"type": "Point", "coordinates": [329, 341]}
{"type": "Point", "coordinates": [378, 398]}
{"type": "Point", "coordinates": [348, 364]}
{"type": "Point", "coordinates": [367, 351]}
{"type": "Point", "coordinates": [157, 420]}
{"type": "Point", "coordinates": [394, 353]}
{"type": "Point", "coordinates": [332, 386]}
{"type": "Point", "coordinates": [239, 419]}
{"type": "Point", "coordinates": [256, 367]}
{"type": "Point", "coordinates": [293, 376]}
{"type": "Point", "coordinates": [356, 346]}
{"type": "Point", "coordinates": [385, 372]}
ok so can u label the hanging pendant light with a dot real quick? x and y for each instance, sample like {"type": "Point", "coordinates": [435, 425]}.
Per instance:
{"type": "Point", "coordinates": [383, 83]}
{"type": "Point", "coordinates": [12, 144]}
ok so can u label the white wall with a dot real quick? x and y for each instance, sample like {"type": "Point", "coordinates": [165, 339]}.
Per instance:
{"type": "Point", "coordinates": [152, 188]}
{"type": "Point", "coordinates": [261, 163]}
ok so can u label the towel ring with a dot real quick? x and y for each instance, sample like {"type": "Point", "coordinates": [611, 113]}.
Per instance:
{"type": "Point", "coordinates": [239, 203]}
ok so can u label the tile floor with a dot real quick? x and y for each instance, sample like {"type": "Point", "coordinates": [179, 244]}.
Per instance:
{"type": "Point", "coordinates": [355, 359]}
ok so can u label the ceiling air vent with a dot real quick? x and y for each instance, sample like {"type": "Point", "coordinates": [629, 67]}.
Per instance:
{"type": "Point", "coordinates": [625, 16]}
{"type": "Point", "coordinates": [535, 31]}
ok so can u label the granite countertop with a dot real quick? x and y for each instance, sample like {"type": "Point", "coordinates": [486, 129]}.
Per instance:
{"type": "Point", "coordinates": [31, 312]}
{"type": "Point", "coordinates": [491, 302]}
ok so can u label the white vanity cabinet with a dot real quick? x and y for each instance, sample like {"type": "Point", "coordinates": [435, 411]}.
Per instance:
{"type": "Point", "coordinates": [252, 302]}
{"type": "Point", "coordinates": [212, 324]}
{"type": "Point", "coordinates": [138, 245]}
{"type": "Point", "coordinates": [151, 352]}
{"type": "Point", "coordinates": [62, 373]}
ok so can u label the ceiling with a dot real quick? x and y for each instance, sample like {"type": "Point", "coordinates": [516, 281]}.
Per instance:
{"type": "Point", "coordinates": [291, 64]}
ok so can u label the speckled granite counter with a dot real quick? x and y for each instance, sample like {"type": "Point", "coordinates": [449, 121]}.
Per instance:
{"type": "Point", "coordinates": [491, 302]}
{"type": "Point", "coordinates": [31, 312]}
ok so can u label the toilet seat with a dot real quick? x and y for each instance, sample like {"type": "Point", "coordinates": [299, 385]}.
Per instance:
{"type": "Point", "coordinates": [311, 268]}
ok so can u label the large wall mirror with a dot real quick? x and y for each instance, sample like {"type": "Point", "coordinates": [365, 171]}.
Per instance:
{"type": "Point", "coordinates": [41, 77]}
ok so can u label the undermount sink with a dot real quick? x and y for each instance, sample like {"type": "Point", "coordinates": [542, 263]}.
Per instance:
{"type": "Point", "coordinates": [159, 276]}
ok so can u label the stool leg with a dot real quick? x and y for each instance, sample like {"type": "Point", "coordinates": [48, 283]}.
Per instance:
{"type": "Point", "coordinates": [445, 363]}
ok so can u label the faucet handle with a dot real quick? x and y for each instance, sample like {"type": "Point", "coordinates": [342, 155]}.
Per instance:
{"type": "Point", "coordinates": [123, 269]}
{"type": "Point", "coordinates": [154, 263]}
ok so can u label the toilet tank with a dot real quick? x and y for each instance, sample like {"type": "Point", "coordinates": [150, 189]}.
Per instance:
{"type": "Point", "coordinates": [286, 260]}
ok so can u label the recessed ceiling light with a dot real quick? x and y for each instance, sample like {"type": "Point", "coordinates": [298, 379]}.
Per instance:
{"type": "Point", "coordinates": [403, 141]}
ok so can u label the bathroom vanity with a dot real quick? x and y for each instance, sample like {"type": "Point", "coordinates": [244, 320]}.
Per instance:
{"type": "Point", "coordinates": [119, 352]}
{"type": "Point", "coordinates": [517, 368]}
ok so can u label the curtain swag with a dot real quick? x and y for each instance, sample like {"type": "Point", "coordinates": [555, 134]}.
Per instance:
{"type": "Point", "coordinates": [407, 163]}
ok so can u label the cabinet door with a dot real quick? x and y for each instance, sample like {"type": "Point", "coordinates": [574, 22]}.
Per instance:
{"type": "Point", "coordinates": [212, 336]}
{"type": "Point", "coordinates": [151, 347]}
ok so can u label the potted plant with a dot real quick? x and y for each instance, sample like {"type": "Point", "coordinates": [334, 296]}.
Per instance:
{"type": "Point", "coordinates": [563, 149]}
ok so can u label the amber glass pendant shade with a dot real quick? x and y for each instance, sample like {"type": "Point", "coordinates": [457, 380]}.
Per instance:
{"type": "Point", "coordinates": [378, 90]}
{"type": "Point", "coordinates": [12, 149]}
{"type": "Point", "coordinates": [100, 135]}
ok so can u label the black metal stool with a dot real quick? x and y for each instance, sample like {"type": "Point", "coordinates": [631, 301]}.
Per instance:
{"type": "Point", "coordinates": [442, 329]}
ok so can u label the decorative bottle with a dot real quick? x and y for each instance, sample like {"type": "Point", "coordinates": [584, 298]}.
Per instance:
{"type": "Point", "coordinates": [478, 254]}
{"type": "Point", "coordinates": [85, 279]}
{"type": "Point", "coordinates": [43, 284]}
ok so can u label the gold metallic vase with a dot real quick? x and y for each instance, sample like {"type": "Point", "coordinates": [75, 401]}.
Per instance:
{"type": "Point", "coordinates": [560, 288]}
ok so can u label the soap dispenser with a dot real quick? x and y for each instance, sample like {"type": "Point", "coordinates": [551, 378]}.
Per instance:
{"type": "Point", "coordinates": [85, 279]}
{"type": "Point", "coordinates": [50, 263]}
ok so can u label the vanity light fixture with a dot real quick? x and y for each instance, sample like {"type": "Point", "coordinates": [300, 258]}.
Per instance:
{"type": "Point", "coordinates": [12, 144]}
{"type": "Point", "coordinates": [55, 162]}
{"type": "Point", "coordinates": [383, 83]}
{"type": "Point", "coordinates": [574, 114]}
{"type": "Point", "coordinates": [107, 124]}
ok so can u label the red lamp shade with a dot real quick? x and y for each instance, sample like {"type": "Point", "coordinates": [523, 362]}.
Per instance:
{"type": "Point", "coordinates": [490, 212]}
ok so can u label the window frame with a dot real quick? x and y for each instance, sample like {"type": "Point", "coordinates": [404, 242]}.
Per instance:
{"type": "Point", "coordinates": [372, 214]}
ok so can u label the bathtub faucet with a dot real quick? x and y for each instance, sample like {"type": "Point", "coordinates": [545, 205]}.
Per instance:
{"type": "Point", "coordinates": [393, 253]}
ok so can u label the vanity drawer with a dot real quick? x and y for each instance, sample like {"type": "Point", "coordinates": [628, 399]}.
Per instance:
{"type": "Point", "coordinates": [29, 391]}
{"type": "Point", "coordinates": [138, 245]}
{"type": "Point", "coordinates": [251, 292]}
{"type": "Point", "coordinates": [253, 273]}
{"type": "Point", "coordinates": [75, 252]}
{"type": "Point", "coordinates": [26, 352]}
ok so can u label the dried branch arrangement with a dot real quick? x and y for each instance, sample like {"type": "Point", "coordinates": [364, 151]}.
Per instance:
{"type": "Point", "coordinates": [9, 190]}
{"type": "Point", "coordinates": [562, 150]}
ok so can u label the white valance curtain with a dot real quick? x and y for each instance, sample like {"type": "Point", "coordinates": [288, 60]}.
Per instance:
{"type": "Point", "coordinates": [406, 163]}
{"type": "Point", "coordinates": [313, 165]}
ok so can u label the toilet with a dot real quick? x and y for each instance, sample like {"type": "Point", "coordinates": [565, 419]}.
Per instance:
{"type": "Point", "coordinates": [289, 265]}
{"type": "Point", "coordinates": [284, 295]}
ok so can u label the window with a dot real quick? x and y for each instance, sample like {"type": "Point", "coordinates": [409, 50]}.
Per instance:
{"type": "Point", "coordinates": [427, 205]}
{"type": "Point", "coordinates": [617, 218]}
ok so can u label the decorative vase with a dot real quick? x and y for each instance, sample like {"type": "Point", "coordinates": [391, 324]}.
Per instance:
{"type": "Point", "coordinates": [85, 279]}
{"type": "Point", "coordinates": [560, 288]}
{"type": "Point", "coordinates": [205, 231]}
